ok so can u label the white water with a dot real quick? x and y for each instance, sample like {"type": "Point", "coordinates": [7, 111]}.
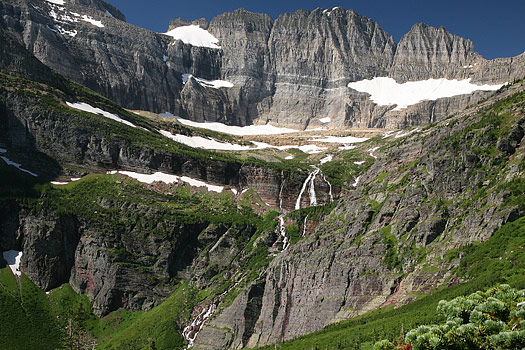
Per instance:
{"type": "Point", "coordinates": [313, 198]}
{"type": "Point", "coordinates": [304, 225]}
{"type": "Point", "coordinates": [191, 331]}
{"type": "Point", "coordinates": [330, 187]}
{"type": "Point", "coordinates": [282, 228]}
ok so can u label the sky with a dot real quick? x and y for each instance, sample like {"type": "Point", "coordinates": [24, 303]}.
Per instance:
{"type": "Point", "coordinates": [496, 27]}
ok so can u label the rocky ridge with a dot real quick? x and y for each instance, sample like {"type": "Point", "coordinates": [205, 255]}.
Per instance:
{"type": "Point", "coordinates": [293, 70]}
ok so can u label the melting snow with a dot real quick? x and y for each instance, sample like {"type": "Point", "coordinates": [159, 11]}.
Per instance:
{"type": "Point", "coordinates": [343, 139]}
{"type": "Point", "coordinates": [216, 84]}
{"type": "Point", "coordinates": [13, 260]}
{"type": "Point", "coordinates": [372, 150]}
{"type": "Point", "coordinates": [326, 159]}
{"type": "Point", "coordinates": [195, 36]}
{"type": "Point", "coordinates": [386, 91]}
{"type": "Point", "coordinates": [168, 179]}
{"type": "Point", "coordinates": [234, 130]}
{"type": "Point", "coordinates": [361, 162]}
{"type": "Point", "coordinates": [400, 134]}
{"type": "Point", "coordinates": [346, 147]}
{"type": "Point", "coordinates": [201, 142]}
{"type": "Point", "coordinates": [59, 183]}
{"type": "Point", "coordinates": [325, 120]}
{"type": "Point", "coordinates": [92, 21]}
{"type": "Point", "coordinates": [56, 2]}
{"type": "Point", "coordinates": [71, 33]}
{"type": "Point", "coordinates": [88, 108]}
{"type": "Point", "coordinates": [356, 181]}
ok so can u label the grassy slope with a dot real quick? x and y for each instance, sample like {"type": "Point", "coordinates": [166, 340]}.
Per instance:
{"type": "Point", "coordinates": [26, 319]}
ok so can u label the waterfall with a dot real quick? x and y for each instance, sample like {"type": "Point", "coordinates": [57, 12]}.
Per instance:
{"type": "Point", "coordinates": [282, 228]}
{"type": "Point", "coordinates": [304, 225]}
{"type": "Point", "coordinates": [313, 198]}
{"type": "Point", "coordinates": [432, 115]}
{"type": "Point", "coordinates": [309, 180]}
{"type": "Point", "coordinates": [191, 331]}
{"type": "Point", "coordinates": [330, 187]}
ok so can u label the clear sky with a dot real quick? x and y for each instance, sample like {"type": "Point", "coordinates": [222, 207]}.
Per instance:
{"type": "Point", "coordinates": [497, 27]}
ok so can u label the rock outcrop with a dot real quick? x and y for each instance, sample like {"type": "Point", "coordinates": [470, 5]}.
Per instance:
{"type": "Point", "coordinates": [292, 71]}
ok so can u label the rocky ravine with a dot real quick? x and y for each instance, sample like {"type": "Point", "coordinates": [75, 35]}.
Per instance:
{"type": "Point", "coordinates": [293, 71]}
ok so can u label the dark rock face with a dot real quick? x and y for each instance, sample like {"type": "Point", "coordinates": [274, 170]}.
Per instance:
{"type": "Point", "coordinates": [293, 71]}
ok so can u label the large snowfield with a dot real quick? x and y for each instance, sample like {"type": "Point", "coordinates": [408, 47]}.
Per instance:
{"type": "Point", "coordinates": [88, 108]}
{"type": "Point", "coordinates": [386, 91]}
{"type": "Point", "coordinates": [234, 130]}
{"type": "Point", "coordinates": [168, 179]}
{"type": "Point", "coordinates": [195, 36]}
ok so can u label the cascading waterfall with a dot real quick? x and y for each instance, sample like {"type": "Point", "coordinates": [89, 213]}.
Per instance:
{"type": "Point", "coordinates": [304, 225]}
{"type": "Point", "coordinates": [191, 331]}
{"type": "Point", "coordinates": [330, 187]}
{"type": "Point", "coordinates": [309, 180]}
{"type": "Point", "coordinates": [432, 115]}
{"type": "Point", "coordinates": [282, 228]}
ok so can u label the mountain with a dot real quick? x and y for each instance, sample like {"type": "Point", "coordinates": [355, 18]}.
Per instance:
{"type": "Point", "coordinates": [128, 229]}
{"type": "Point", "coordinates": [292, 71]}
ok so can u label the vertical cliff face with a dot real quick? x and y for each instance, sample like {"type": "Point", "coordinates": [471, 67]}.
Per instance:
{"type": "Point", "coordinates": [427, 52]}
{"type": "Point", "coordinates": [315, 54]}
{"type": "Point", "coordinates": [293, 71]}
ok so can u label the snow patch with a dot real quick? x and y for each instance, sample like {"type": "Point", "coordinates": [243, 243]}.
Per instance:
{"type": "Point", "coordinates": [13, 258]}
{"type": "Point", "coordinates": [109, 13]}
{"type": "Point", "coordinates": [356, 181]}
{"type": "Point", "coordinates": [216, 84]}
{"type": "Point", "coordinates": [71, 33]}
{"type": "Point", "coordinates": [361, 162]}
{"type": "Point", "coordinates": [92, 21]}
{"type": "Point", "coordinates": [386, 91]}
{"type": "Point", "coordinates": [195, 36]}
{"type": "Point", "coordinates": [400, 134]}
{"type": "Point", "coordinates": [168, 179]}
{"type": "Point", "coordinates": [234, 130]}
{"type": "Point", "coordinates": [164, 58]}
{"type": "Point", "coordinates": [342, 139]}
{"type": "Point", "coordinates": [288, 157]}
{"type": "Point", "coordinates": [326, 159]}
{"type": "Point", "coordinates": [59, 183]}
{"type": "Point", "coordinates": [88, 108]}
{"type": "Point", "coordinates": [202, 142]}
{"type": "Point", "coordinates": [325, 120]}
{"type": "Point", "coordinates": [235, 192]}
{"type": "Point", "coordinates": [346, 147]}
{"type": "Point", "coordinates": [3, 150]}
{"type": "Point", "coordinates": [372, 150]}
{"type": "Point", "coordinates": [56, 2]}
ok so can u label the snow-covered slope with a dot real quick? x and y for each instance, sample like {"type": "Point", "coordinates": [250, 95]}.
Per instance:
{"type": "Point", "coordinates": [195, 36]}
{"type": "Point", "coordinates": [386, 91]}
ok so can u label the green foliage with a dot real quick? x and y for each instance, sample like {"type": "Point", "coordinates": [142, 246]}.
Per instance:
{"type": "Point", "coordinates": [25, 315]}
{"type": "Point", "coordinates": [482, 320]}
{"type": "Point", "coordinates": [159, 329]}
{"type": "Point", "coordinates": [391, 259]}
